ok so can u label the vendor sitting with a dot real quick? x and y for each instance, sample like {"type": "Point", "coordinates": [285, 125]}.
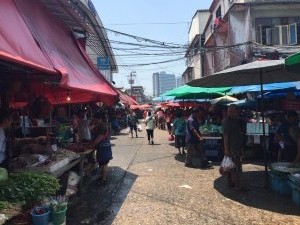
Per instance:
{"type": "Point", "coordinates": [289, 134]}
{"type": "Point", "coordinates": [5, 122]}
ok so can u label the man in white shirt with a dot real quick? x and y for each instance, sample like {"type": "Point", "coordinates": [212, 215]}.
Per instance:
{"type": "Point", "coordinates": [5, 122]}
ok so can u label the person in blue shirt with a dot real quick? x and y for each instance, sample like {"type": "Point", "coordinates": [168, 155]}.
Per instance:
{"type": "Point", "coordinates": [194, 139]}
{"type": "Point", "coordinates": [179, 129]}
{"type": "Point", "coordinates": [132, 122]}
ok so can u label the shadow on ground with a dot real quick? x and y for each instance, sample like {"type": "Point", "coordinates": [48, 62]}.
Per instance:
{"type": "Point", "coordinates": [258, 196]}
{"type": "Point", "coordinates": [180, 158]}
{"type": "Point", "coordinates": [100, 204]}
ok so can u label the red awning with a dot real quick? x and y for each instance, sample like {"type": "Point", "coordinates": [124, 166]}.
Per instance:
{"type": "Point", "coordinates": [126, 99]}
{"type": "Point", "coordinates": [65, 52]}
{"type": "Point", "coordinates": [46, 44]}
{"type": "Point", "coordinates": [16, 42]}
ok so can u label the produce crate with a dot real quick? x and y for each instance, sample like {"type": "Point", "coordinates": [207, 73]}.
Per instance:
{"type": "Point", "coordinates": [280, 184]}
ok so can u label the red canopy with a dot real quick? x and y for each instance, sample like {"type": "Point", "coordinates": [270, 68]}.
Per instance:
{"type": "Point", "coordinates": [50, 46]}
{"type": "Point", "coordinates": [17, 44]}
{"type": "Point", "coordinates": [126, 99]}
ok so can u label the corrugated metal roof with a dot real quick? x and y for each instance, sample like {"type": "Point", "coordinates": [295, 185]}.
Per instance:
{"type": "Point", "coordinates": [77, 16]}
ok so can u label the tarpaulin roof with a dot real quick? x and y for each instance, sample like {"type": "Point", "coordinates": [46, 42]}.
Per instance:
{"type": "Point", "coordinates": [126, 99]}
{"type": "Point", "coordinates": [196, 92]}
{"type": "Point", "coordinates": [52, 47]}
{"type": "Point", "coordinates": [267, 87]}
{"type": "Point", "coordinates": [16, 42]}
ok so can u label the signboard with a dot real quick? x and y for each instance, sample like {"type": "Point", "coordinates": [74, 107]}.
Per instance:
{"type": "Point", "coordinates": [257, 129]}
{"type": "Point", "coordinates": [103, 63]}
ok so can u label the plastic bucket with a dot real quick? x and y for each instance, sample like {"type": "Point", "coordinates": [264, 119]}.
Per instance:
{"type": "Point", "coordinates": [42, 219]}
{"type": "Point", "coordinates": [59, 218]}
{"type": "Point", "coordinates": [280, 184]}
{"type": "Point", "coordinates": [295, 186]}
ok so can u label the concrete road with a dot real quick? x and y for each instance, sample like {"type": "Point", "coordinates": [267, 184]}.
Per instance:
{"type": "Point", "coordinates": [150, 185]}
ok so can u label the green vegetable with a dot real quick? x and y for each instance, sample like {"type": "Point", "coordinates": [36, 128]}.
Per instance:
{"type": "Point", "coordinates": [3, 174]}
{"type": "Point", "coordinates": [28, 187]}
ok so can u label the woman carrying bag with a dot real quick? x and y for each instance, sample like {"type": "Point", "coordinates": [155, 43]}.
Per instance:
{"type": "Point", "coordinates": [150, 124]}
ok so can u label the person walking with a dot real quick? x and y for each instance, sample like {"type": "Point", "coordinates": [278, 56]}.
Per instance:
{"type": "Point", "coordinates": [150, 124]}
{"type": "Point", "coordinates": [132, 122]}
{"type": "Point", "coordinates": [101, 141]}
{"type": "Point", "coordinates": [194, 139]}
{"type": "Point", "coordinates": [233, 145]}
{"type": "Point", "coordinates": [179, 129]}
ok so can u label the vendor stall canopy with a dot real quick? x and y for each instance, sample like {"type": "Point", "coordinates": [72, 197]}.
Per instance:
{"type": "Point", "coordinates": [255, 73]}
{"type": "Point", "coordinates": [189, 92]}
{"type": "Point", "coordinates": [48, 46]}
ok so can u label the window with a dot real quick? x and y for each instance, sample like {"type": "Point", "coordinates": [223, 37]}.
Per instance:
{"type": "Point", "coordinates": [259, 34]}
{"type": "Point", "coordinates": [293, 34]}
{"type": "Point", "coordinates": [278, 31]}
{"type": "Point", "coordinates": [219, 13]}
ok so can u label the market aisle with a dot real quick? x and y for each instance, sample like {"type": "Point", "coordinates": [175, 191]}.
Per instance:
{"type": "Point", "coordinates": [150, 185]}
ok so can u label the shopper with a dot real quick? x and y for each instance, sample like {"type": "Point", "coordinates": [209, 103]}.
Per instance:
{"type": "Point", "coordinates": [179, 129]}
{"type": "Point", "coordinates": [132, 122]}
{"type": "Point", "coordinates": [150, 124]}
{"type": "Point", "coordinates": [161, 119]}
{"type": "Point", "coordinates": [194, 139]}
{"type": "Point", "coordinates": [5, 123]}
{"type": "Point", "coordinates": [169, 120]}
{"type": "Point", "coordinates": [289, 134]}
{"type": "Point", "coordinates": [233, 145]}
{"type": "Point", "coordinates": [101, 141]}
{"type": "Point", "coordinates": [84, 133]}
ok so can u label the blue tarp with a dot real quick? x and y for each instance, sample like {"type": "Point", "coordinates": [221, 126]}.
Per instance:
{"type": "Point", "coordinates": [267, 87]}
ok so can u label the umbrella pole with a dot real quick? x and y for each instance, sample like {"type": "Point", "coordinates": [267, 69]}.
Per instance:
{"type": "Point", "coordinates": [264, 130]}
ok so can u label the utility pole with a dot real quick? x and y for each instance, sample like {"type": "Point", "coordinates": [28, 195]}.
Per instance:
{"type": "Point", "coordinates": [131, 79]}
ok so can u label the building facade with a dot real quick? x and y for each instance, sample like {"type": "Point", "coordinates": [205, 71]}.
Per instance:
{"type": "Point", "coordinates": [241, 31]}
{"type": "Point", "coordinates": [179, 82]}
{"type": "Point", "coordinates": [138, 92]}
{"type": "Point", "coordinates": [193, 54]}
{"type": "Point", "coordinates": [163, 82]}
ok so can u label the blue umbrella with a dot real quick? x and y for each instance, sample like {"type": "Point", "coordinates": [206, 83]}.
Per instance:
{"type": "Point", "coordinates": [267, 87]}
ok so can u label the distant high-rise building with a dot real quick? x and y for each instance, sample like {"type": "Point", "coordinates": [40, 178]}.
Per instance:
{"type": "Point", "coordinates": [163, 82]}
{"type": "Point", "coordinates": [179, 82]}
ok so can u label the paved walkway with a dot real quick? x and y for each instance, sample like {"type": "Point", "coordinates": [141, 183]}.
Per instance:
{"type": "Point", "coordinates": [150, 185]}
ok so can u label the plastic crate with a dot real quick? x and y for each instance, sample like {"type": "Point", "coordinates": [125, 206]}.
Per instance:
{"type": "Point", "coordinates": [295, 187]}
{"type": "Point", "coordinates": [280, 184]}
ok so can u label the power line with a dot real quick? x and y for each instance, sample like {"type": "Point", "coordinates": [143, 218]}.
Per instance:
{"type": "Point", "coordinates": [130, 24]}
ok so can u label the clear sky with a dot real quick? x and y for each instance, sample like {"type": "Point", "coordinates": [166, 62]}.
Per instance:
{"type": "Point", "coordinates": [161, 20]}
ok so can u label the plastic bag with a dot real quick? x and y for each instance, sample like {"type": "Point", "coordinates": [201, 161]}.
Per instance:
{"type": "Point", "coordinates": [226, 166]}
{"type": "Point", "coordinates": [140, 128]}
{"type": "Point", "coordinates": [171, 137]}
{"type": "Point", "coordinates": [127, 130]}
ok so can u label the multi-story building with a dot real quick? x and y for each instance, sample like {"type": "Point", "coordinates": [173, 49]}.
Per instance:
{"type": "Point", "coordinates": [82, 18]}
{"type": "Point", "coordinates": [179, 82]}
{"type": "Point", "coordinates": [163, 82]}
{"type": "Point", "coordinates": [138, 92]}
{"type": "Point", "coordinates": [240, 31]}
{"type": "Point", "coordinates": [193, 54]}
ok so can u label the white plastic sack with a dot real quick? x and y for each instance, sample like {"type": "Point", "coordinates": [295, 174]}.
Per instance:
{"type": "Point", "coordinates": [226, 165]}
{"type": "Point", "coordinates": [140, 128]}
{"type": "Point", "coordinates": [127, 130]}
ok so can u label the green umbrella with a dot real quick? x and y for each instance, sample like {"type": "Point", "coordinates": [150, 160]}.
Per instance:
{"type": "Point", "coordinates": [292, 63]}
{"type": "Point", "coordinates": [189, 92]}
